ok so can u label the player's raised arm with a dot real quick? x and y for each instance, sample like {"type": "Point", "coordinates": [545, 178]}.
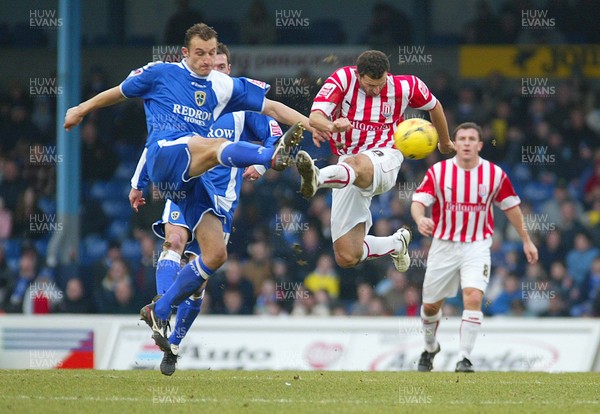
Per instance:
{"type": "Point", "coordinates": [109, 97]}
{"type": "Point", "coordinates": [288, 116]}
{"type": "Point", "coordinates": [438, 119]}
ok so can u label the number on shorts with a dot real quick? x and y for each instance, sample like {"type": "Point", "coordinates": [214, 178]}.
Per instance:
{"type": "Point", "coordinates": [485, 271]}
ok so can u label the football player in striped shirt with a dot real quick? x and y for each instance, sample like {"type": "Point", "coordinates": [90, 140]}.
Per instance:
{"type": "Point", "coordinates": [460, 192]}
{"type": "Point", "coordinates": [361, 106]}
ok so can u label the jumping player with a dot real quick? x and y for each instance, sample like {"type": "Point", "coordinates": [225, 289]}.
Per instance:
{"type": "Point", "coordinates": [361, 105]}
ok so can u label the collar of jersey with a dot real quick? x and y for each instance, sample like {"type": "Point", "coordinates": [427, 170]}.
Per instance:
{"type": "Point", "coordinates": [191, 72]}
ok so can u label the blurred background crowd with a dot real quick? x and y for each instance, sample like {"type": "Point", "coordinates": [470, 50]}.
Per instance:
{"type": "Point", "coordinates": [280, 253]}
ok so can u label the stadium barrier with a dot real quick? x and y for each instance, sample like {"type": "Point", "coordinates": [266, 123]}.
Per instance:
{"type": "Point", "coordinates": [252, 343]}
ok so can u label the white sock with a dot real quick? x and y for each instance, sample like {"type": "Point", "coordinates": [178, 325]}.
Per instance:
{"type": "Point", "coordinates": [430, 325]}
{"type": "Point", "coordinates": [336, 176]}
{"type": "Point", "coordinates": [376, 247]}
{"type": "Point", "coordinates": [469, 327]}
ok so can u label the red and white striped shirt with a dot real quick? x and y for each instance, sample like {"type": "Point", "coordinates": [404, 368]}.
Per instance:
{"type": "Point", "coordinates": [462, 199]}
{"type": "Point", "coordinates": [373, 118]}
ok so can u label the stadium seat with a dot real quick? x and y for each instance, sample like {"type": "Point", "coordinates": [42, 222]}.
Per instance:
{"type": "Point", "coordinates": [124, 171]}
{"type": "Point", "coordinates": [117, 209]}
{"type": "Point", "coordinates": [228, 30]}
{"type": "Point", "coordinates": [93, 248]}
{"type": "Point", "coordinates": [327, 31]}
{"type": "Point", "coordinates": [130, 248]}
{"type": "Point", "coordinates": [118, 229]}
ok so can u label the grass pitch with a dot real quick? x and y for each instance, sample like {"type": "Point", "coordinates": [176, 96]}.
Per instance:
{"type": "Point", "coordinates": [82, 391]}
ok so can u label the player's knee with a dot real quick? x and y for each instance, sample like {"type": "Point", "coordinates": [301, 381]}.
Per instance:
{"type": "Point", "coordinates": [175, 240]}
{"type": "Point", "coordinates": [215, 258]}
{"type": "Point", "coordinates": [346, 259]}
{"type": "Point", "coordinates": [472, 299]}
{"type": "Point", "coordinates": [431, 309]}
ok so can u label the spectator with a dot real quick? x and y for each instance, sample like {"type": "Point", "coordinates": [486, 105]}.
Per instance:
{"type": "Point", "coordinates": [6, 221]}
{"type": "Point", "coordinates": [43, 295]}
{"type": "Point", "coordinates": [552, 250]}
{"type": "Point", "coordinates": [324, 277]}
{"type": "Point", "coordinates": [258, 27]}
{"type": "Point", "coordinates": [266, 297]}
{"type": "Point", "coordinates": [364, 293]}
{"type": "Point", "coordinates": [98, 160]}
{"type": "Point", "coordinates": [569, 224]}
{"type": "Point", "coordinates": [259, 266]}
{"type": "Point", "coordinates": [75, 300]}
{"type": "Point", "coordinates": [394, 296]}
{"type": "Point", "coordinates": [580, 258]}
{"type": "Point", "coordinates": [233, 280]}
{"type": "Point", "coordinates": [20, 281]}
{"type": "Point", "coordinates": [502, 304]}
{"type": "Point", "coordinates": [412, 303]}
{"type": "Point", "coordinates": [184, 16]}
{"type": "Point", "coordinates": [115, 294]}
{"type": "Point", "coordinates": [388, 26]}
{"type": "Point", "coordinates": [11, 185]}
{"type": "Point", "coordinates": [322, 303]}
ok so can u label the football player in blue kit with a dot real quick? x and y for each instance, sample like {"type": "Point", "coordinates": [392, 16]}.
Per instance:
{"type": "Point", "coordinates": [237, 126]}
{"type": "Point", "coordinates": [182, 101]}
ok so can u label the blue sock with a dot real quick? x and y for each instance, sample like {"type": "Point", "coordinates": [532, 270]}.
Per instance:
{"type": "Point", "coordinates": [186, 315]}
{"type": "Point", "coordinates": [188, 280]}
{"type": "Point", "coordinates": [245, 154]}
{"type": "Point", "coordinates": [166, 269]}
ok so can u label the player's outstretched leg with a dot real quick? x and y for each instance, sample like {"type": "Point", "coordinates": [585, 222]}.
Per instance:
{"type": "Point", "coordinates": [282, 156]}
{"type": "Point", "coordinates": [339, 175]}
{"type": "Point", "coordinates": [401, 257]}
{"type": "Point", "coordinates": [244, 154]}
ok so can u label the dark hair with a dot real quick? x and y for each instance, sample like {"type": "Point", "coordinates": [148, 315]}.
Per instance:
{"type": "Point", "coordinates": [468, 125]}
{"type": "Point", "coordinates": [372, 63]}
{"type": "Point", "coordinates": [222, 49]}
{"type": "Point", "coordinates": [201, 30]}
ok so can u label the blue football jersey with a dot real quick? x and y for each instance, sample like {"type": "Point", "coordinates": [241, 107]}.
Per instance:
{"type": "Point", "coordinates": [178, 102]}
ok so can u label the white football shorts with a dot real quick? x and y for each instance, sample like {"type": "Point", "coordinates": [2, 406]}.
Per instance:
{"type": "Point", "coordinates": [351, 204]}
{"type": "Point", "coordinates": [453, 264]}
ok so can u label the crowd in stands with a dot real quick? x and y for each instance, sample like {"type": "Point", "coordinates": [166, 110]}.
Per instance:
{"type": "Point", "coordinates": [280, 253]}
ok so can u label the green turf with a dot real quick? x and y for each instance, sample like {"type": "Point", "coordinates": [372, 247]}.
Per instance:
{"type": "Point", "coordinates": [128, 392]}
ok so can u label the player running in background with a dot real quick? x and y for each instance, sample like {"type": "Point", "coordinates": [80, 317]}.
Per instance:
{"type": "Point", "coordinates": [461, 191]}
{"type": "Point", "coordinates": [237, 126]}
{"type": "Point", "coordinates": [361, 107]}
{"type": "Point", "coordinates": [182, 101]}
